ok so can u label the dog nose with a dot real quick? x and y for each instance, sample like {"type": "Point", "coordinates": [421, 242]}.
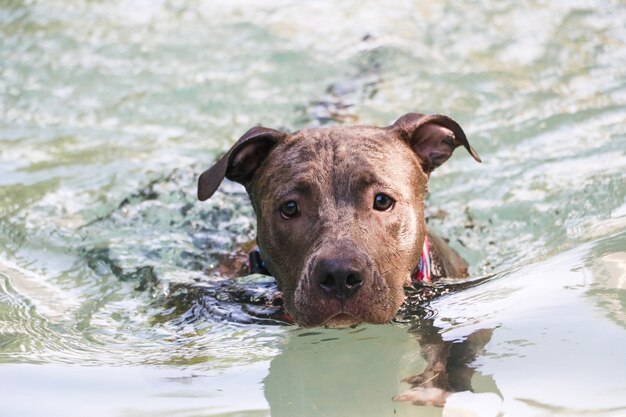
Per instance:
{"type": "Point", "coordinates": [338, 278]}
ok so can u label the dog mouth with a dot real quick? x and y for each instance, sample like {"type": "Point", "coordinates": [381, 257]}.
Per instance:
{"type": "Point", "coordinates": [342, 320]}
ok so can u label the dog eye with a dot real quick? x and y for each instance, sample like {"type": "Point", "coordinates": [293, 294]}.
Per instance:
{"type": "Point", "coordinates": [289, 209]}
{"type": "Point", "coordinates": [382, 202]}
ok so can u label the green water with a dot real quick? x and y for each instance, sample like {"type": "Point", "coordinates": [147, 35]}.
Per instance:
{"type": "Point", "coordinates": [108, 111]}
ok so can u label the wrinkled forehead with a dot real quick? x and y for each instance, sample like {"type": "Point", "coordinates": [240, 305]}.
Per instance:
{"type": "Point", "coordinates": [342, 160]}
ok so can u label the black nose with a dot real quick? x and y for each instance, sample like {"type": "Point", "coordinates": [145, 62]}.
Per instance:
{"type": "Point", "coordinates": [338, 277]}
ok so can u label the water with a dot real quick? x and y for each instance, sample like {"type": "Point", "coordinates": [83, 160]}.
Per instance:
{"type": "Point", "coordinates": [109, 110]}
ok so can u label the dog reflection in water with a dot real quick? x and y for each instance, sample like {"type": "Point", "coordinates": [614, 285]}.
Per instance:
{"type": "Point", "coordinates": [325, 373]}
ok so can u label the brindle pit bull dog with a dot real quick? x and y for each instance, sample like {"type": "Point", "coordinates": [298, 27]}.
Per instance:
{"type": "Point", "coordinates": [340, 212]}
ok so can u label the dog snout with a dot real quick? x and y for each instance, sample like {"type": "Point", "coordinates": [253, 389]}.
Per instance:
{"type": "Point", "coordinates": [340, 278]}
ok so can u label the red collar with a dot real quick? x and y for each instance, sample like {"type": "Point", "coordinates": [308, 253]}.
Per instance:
{"type": "Point", "coordinates": [422, 272]}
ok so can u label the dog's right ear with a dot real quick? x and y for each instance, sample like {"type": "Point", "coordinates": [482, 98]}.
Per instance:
{"type": "Point", "coordinates": [433, 138]}
{"type": "Point", "coordinates": [241, 161]}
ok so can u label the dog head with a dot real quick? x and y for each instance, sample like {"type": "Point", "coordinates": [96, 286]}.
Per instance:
{"type": "Point", "coordinates": [340, 210]}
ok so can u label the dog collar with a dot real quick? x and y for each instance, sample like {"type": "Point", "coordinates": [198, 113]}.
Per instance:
{"type": "Point", "coordinates": [422, 273]}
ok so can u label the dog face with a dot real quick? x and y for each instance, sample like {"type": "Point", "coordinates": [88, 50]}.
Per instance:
{"type": "Point", "coordinates": [340, 211]}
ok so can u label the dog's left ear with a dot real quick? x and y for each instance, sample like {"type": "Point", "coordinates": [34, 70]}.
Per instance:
{"type": "Point", "coordinates": [433, 138]}
{"type": "Point", "coordinates": [241, 161]}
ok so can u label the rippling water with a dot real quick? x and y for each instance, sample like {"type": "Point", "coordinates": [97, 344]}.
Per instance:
{"type": "Point", "coordinates": [108, 110]}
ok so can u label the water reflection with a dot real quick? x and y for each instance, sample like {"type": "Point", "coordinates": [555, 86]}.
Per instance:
{"type": "Point", "coordinates": [341, 372]}
{"type": "Point", "coordinates": [373, 371]}
{"type": "Point", "coordinates": [448, 364]}
{"type": "Point", "coordinates": [607, 263]}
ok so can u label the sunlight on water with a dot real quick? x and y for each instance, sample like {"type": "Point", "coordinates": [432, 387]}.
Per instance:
{"type": "Point", "coordinates": [109, 110]}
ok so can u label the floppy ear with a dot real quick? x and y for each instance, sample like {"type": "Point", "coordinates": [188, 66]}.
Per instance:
{"type": "Point", "coordinates": [433, 138]}
{"type": "Point", "coordinates": [241, 161]}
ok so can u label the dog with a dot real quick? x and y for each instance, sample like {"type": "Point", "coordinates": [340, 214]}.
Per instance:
{"type": "Point", "coordinates": [340, 213]}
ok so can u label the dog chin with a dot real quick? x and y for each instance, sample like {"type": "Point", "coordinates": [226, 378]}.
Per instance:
{"type": "Point", "coordinates": [342, 320]}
